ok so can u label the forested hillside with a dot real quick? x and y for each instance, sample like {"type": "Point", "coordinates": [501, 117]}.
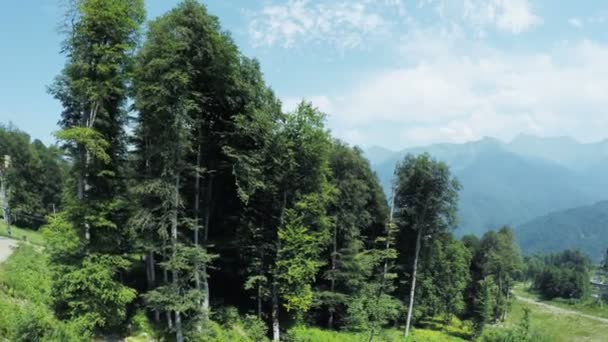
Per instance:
{"type": "Point", "coordinates": [583, 228]}
{"type": "Point", "coordinates": [35, 179]}
{"type": "Point", "coordinates": [512, 183]}
{"type": "Point", "coordinates": [221, 217]}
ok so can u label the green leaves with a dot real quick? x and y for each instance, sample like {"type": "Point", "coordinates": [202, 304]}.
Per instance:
{"type": "Point", "coordinates": [90, 290]}
{"type": "Point", "coordinates": [297, 263]}
{"type": "Point", "coordinates": [93, 141]}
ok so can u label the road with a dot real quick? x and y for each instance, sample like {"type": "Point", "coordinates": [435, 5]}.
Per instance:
{"type": "Point", "coordinates": [6, 248]}
{"type": "Point", "coordinates": [561, 311]}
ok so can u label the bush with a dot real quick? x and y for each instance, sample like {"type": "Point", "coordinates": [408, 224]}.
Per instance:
{"type": "Point", "coordinates": [309, 334]}
{"type": "Point", "coordinates": [511, 334]}
{"type": "Point", "coordinates": [229, 326]}
{"type": "Point", "coordinates": [25, 295]}
{"type": "Point", "coordinates": [517, 333]}
{"type": "Point", "coordinates": [33, 322]}
{"type": "Point", "coordinates": [25, 275]}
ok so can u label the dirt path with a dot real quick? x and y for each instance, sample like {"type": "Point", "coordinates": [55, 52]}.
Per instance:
{"type": "Point", "coordinates": [561, 311]}
{"type": "Point", "coordinates": [7, 246]}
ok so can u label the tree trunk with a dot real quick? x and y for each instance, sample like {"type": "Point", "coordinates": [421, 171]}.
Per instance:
{"type": "Point", "coordinates": [276, 331]}
{"type": "Point", "coordinates": [150, 276]}
{"type": "Point", "coordinates": [178, 319]}
{"type": "Point", "coordinates": [504, 313]}
{"type": "Point", "coordinates": [166, 280]}
{"type": "Point", "coordinates": [260, 274]}
{"type": "Point", "coordinates": [197, 204]}
{"type": "Point", "coordinates": [388, 237]}
{"type": "Point", "coordinates": [207, 218]}
{"type": "Point", "coordinates": [259, 299]}
{"type": "Point", "coordinates": [332, 286]}
{"type": "Point", "coordinates": [413, 289]}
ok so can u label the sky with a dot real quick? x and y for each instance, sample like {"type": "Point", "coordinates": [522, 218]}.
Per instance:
{"type": "Point", "coordinates": [390, 73]}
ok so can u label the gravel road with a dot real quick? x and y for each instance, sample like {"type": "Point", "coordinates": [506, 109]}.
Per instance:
{"type": "Point", "coordinates": [6, 248]}
{"type": "Point", "coordinates": [561, 311]}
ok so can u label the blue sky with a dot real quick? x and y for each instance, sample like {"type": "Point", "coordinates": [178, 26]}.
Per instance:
{"type": "Point", "coordinates": [393, 73]}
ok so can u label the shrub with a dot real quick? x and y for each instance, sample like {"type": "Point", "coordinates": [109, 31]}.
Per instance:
{"type": "Point", "coordinates": [229, 326]}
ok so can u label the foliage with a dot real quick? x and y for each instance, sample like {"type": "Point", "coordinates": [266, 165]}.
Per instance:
{"type": "Point", "coordinates": [26, 275]}
{"type": "Point", "coordinates": [297, 263]}
{"type": "Point", "coordinates": [580, 227]}
{"type": "Point", "coordinates": [425, 202]}
{"type": "Point", "coordinates": [34, 179]}
{"type": "Point", "coordinates": [25, 296]}
{"type": "Point", "coordinates": [445, 274]}
{"type": "Point", "coordinates": [230, 326]}
{"type": "Point", "coordinates": [225, 200]}
{"type": "Point", "coordinates": [564, 275]}
{"type": "Point", "coordinates": [85, 288]}
{"type": "Point", "coordinates": [521, 332]}
{"type": "Point", "coordinates": [311, 334]}
{"type": "Point", "coordinates": [371, 309]}
{"type": "Point", "coordinates": [495, 265]}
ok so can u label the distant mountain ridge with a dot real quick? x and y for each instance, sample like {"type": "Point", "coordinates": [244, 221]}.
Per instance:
{"type": "Point", "coordinates": [512, 183]}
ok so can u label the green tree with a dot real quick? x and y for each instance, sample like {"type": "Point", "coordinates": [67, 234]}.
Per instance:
{"type": "Point", "coordinates": [285, 223]}
{"type": "Point", "coordinates": [426, 198]}
{"type": "Point", "coordinates": [357, 209]}
{"type": "Point", "coordinates": [445, 276]}
{"type": "Point", "coordinates": [35, 178]}
{"type": "Point", "coordinates": [101, 38]}
{"type": "Point", "coordinates": [564, 275]}
{"type": "Point", "coordinates": [502, 261]}
{"type": "Point", "coordinates": [496, 258]}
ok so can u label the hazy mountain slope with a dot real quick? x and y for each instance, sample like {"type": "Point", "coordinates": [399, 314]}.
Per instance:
{"type": "Point", "coordinates": [510, 183]}
{"type": "Point", "coordinates": [561, 150]}
{"type": "Point", "coordinates": [500, 188]}
{"type": "Point", "coordinates": [585, 228]}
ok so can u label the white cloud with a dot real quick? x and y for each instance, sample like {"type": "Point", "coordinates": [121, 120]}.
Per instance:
{"type": "Point", "coordinates": [458, 97]}
{"type": "Point", "coordinates": [352, 24]}
{"type": "Point", "coordinates": [576, 22]}
{"type": "Point", "coordinates": [586, 21]}
{"type": "Point", "coordinates": [452, 81]}
{"type": "Point", "coordinates": [512, 16]}
{"type": "Point", "coordinates": [343, 24]}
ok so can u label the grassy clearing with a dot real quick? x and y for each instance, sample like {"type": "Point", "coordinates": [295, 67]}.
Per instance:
{"type": "Point", "coordinates": [21, 234]}
{"type": "Point", "coordinates": [433, 332]}
{"type": "Point", "coordinates": [589, 306]}
{"type": "Point", "coordinates": [308, 334]}
{"type": "Point", "coordinates": [559, 327]}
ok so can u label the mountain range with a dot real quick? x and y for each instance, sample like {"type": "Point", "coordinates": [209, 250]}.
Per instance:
{"type": "Point", "coordinates": [514, 183]}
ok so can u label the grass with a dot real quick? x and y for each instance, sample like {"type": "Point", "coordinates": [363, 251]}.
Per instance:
{"type": "Point", "coordinates": [25, 301]}
{"type": "Point", "coordinates": [587, 306]}
{"type": "Point", "coordinates": [309, 334]}
{"type": "Point", "coordinates": [32, 236]}
{"type": "Point", "coordinates": [559, 327]}
{"type": "Point", "coordinates": [25, 275]}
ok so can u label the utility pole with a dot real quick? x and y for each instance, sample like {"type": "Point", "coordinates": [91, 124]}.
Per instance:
{"type": "Point", "coordinates": [4, 203]}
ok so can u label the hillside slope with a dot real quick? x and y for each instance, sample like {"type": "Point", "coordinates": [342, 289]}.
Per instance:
{"type": "Point", "coordinates": [584, 228]}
